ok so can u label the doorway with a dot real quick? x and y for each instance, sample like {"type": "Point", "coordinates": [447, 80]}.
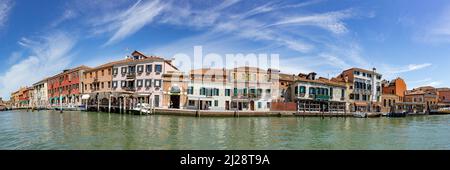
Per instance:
{"type": "Point", "coordinates": [175, 101]}
{"type": "Point", "coordinates": [252, 105]}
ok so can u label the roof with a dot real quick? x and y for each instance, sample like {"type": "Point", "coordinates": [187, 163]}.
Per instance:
{"type": "Point", "coordinates": [82, 67]}
{"type": "Point", "coordinates": [321, 80]}
{"type": "Point", "coordinates": [361, 70]}
{"type": "Point", "coordinates": [209, 71]}
{"type": "Point", "coordinates": [287, 77]}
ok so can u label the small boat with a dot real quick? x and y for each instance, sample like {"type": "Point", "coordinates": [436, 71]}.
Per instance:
{"type": "Point", "coordinates": [142, 108]}
{"type": "Point", "coordinates": [360, 114]}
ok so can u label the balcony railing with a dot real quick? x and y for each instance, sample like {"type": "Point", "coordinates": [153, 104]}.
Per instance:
{"type": "Point", "coordinates": [129, 88]}
{"type": "Point", "coordinates": [131, 76]}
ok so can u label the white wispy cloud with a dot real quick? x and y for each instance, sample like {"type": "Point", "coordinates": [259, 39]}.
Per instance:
{"type": "Point", "coordinates": [5, 8]}
{"type": "Point", "coordinates": [67, 15]}
{"type": "Point", "coordinates": [392, 71]}
{"type": "Point", "coordinates": [129, 21]}
{"type": "Point", "coordinates": [47, 56]}
{"type": "Point", "coordinates": [331, 21]}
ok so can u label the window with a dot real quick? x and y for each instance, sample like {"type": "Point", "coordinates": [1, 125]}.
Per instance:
{"type": "Point", "coordinates": [191, 103]}
{"type": "Point", "coordinates": [103, 72]}
{"type": "Point", "coordinates": [124, 70]}
{"type": "Point", "coordinates": [156, 100]}
{"type": "Point", "coordinates": [140, 68]}
{"type": "Point", "coordinates": [85, 87]}
{"type": "Point", "coordinates": [235, 92]}
{"type": "Point", "coordinates": [216, 92]}
{"type": "Point", "coordinates": [132, 69]}
{"type": "Point", "coordinates": [302, 89]}
{"type": "Point", "coordinates": [227, 92]}
{"type": "Point", "coordinates": [190, 90]}
{"type": "Point", "coordinates": [331, 92]}
{"type": "Point", "coordinates": [202, 91]}
{"type": "Point", "coordinates": [148, 68]}
{"type": "Point", "coordinates": [139, 83]}
{"type": "Point", "coordinates": [148, 83]}
{"type": "Point", "coordinates": [123, 83]}
{"type": "Point", "coordinates": [258, 91]}
{"type": "Point", "coordinates": [216, 103]}
{"type": "Point", "coordinates": [312, 91]}
{"type": "Point", "coordinates": [296, 90]}
{"type": "Point", "coordinates": [342, 94]}
{"type": "Point", "coordinates": [103, 85]}
{"type": "Point", "coordinates": [109, 71]}
{"type": "Point", "coordinates": [268, 105]}
{"type": "Point", "coordinates": [158, 68]}
{"type": "Point", "coordinates": [267, 91]}
{"type": "Point", "coordinates": [384, 102]}
{"type": "Point", "coordinates": [109, 84]}
{"type": "Point", "coordinates": [115, 70]}
{"type": "Point", "coordinates": [259, 105]}
{"type": "Point", "coordinates": [157, 83]}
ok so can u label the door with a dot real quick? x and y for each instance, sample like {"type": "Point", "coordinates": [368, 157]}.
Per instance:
{"type": "Point", "coordinates": [175, 101]}
{"type": "Point", "coordinates": [227, 105]}
{"type": "Point", "coordinates": [252, 105]}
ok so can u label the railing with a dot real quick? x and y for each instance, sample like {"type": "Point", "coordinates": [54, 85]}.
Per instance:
{"type": "Point", "coordinates": [131, 76]}
{"type": "Point", "coordinates": [129, 88]}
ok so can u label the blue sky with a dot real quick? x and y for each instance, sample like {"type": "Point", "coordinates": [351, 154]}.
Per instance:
{"type": "Point", "coordinates": [403, 38]}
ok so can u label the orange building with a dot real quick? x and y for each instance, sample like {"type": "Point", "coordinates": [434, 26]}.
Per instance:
{"type": "Point", "coordinates": [396, 87]}
{"type": "Point", "coordinates": [444, 95]}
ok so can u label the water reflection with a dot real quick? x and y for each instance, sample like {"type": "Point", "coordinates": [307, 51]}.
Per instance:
{"type": "Point", "coordinates": [89, 130]}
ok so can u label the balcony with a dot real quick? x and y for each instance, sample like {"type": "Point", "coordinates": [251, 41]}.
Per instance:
{"type": "Point", "coordinates": [129, 88]}
{"type": "Point", "coordinates": [319, 97]}
{"type": "Point", "coordinates": [131, 76]}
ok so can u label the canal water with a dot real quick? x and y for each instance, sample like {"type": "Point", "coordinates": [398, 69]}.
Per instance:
{"type": "Point", "coordinates": [90, 130]}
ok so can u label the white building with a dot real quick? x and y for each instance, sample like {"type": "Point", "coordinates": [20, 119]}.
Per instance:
{"type": "Point", "coordinates": [140, 77]}
{"type": "Point", "coordinates": [40, 95]}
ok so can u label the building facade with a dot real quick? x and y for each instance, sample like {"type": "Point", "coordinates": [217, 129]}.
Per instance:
{"type": "Point", "coordinates": [40, 94]}
{"type": "Point", "coordinates": [364, 89]}
{"type": "Point", "coordinates": [65, 89]}
{"type": "Point", "coordinates": [396, 87]}
{"type": "Point", "coordinates": [444, 95]}
{"type": "Point", "coordinates": [138, 79]}
{"type": "Point", "coordinates": [318, 95]}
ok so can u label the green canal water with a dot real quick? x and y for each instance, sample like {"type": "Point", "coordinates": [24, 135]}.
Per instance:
{"type": "Point", "coordinates": [89, 130]}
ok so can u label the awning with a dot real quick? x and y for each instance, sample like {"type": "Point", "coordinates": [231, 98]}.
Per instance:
{"type": "Point", "coordinates": [85, 96]}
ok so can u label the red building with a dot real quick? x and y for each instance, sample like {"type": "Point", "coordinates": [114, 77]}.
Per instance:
{"type": "Point", "coordinates": [67, 87]}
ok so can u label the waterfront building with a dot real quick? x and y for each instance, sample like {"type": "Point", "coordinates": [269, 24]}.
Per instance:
{"type": "Point", "coordinates": [396, 87]}
{"type": "Point", "coordinates": [40, 94]}
{"type": "Point", "coordinates": [253, 88]}
{"type": "Point", "coordinates": [364, 89]}
{"type": "Point", "coordinates": [444, 95]}
{"type": "Point", "coordinates": [389, 102]}
{"type": "Point", "coordinates": [240, 88]}
{"type": "Point", "coordinates": [284, 85]}
{"type": "Point", "coordinates": [138, 79]}
{"type": "Point", "coordinates": [175, 90]}
{"type": "Point", "coordinates": [97, 85]}
{"type": "Point", "coordinates": [65, 89]}
{"type": "Point", "coordinates": [427, 95]}
{"type": "Point", "coordinates": [318, 94]}
{"type": "Point", "coordinates": [393, 93]}
{"type": "Point", "coordinates": [209, 89]}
